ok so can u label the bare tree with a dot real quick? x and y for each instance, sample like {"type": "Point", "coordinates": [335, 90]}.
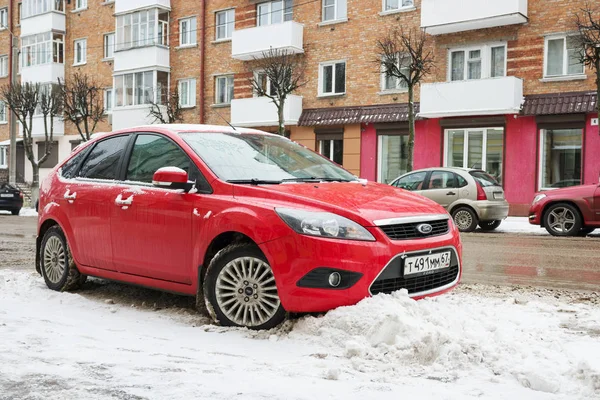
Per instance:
{"type": "Point", "coordinates": [276, 75]}
{"type": "Point", "coordinates": [588, 42]}
{"type": "Point", "coordinates": [167, 108]}
{"type": "Point", "coordinates": [407, 56]}
{"type": "Point", "coordinates": [27, 100]}
{"type": "Point", "coordinates": [83, 104]}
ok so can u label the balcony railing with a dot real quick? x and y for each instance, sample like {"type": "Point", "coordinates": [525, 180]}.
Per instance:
{"type": "Point", "coordinates": [261, 111]}
{"type": "Point", "coordinates": [125, 6]}
{"type": "Point", "coordinates": [253, 42]}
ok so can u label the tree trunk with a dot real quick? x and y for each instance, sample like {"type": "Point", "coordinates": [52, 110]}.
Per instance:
{"type": "Point", "coordinates": [281, 126]}
{"type": "Point", "coordinates": [35, 184]}
{"type": "Point", "coordinates": [411, 129]}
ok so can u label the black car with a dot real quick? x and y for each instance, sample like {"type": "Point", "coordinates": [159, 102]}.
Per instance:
{"type": "Point", "coordinates": [11, 198]}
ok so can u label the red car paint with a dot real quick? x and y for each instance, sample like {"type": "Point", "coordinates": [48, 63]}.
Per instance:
{"type": "Point", "coordinates": [585, 197]}
{"type": "Point", "coordinates": [159, 238]}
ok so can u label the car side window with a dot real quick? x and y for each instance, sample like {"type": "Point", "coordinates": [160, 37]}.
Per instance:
{"type": "Point", "coordinates": [103, 160]}
{"type": "Point", "coordinates": [412, 181]}
{"type": "Point", "coordinates": [462, 182]}
{"type": "Point", "coordinates": [442, 180]}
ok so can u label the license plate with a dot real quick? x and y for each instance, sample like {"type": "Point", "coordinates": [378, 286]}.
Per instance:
{"type": "Point", "coordinates": [423, 265]}
{"type": "Point", "coordinates": [498, 196]}
{"type": "Point", "coordinates": [6, 195]}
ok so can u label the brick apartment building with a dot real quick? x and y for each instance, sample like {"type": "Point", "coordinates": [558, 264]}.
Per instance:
{"type": "Point", "coordinates": [507, 94]}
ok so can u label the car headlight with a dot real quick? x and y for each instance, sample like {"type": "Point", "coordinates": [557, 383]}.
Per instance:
{"type": "Point", "coordinates": [323, 224]}
{"type": "Point", "coordinates": [538, 198]}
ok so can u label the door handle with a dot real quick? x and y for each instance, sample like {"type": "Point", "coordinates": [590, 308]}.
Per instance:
{"type": "Point", "coordinates": [124, 202]}
{"type": "Point", "coordinates": [450, 194]}
{"type": "Point", "coordinates": [70, 197]}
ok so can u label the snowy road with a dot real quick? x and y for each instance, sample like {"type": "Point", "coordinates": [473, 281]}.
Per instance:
{"type": "Point", "coordinates": [476, 343]}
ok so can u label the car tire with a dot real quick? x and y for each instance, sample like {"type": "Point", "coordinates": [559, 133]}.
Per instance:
{"type": "Point", "coordinates": [562, 219]}
{"type": "Point", "coordinates": [465, 219]}
{"type": "Point", "coordinates": [56, 263]}
{"type": "Point", "coordinates": [489, 225]}
{"type": "Point", "coordinates": [15, 212]}
{"type": "Point", "coordinates": [239, 289]}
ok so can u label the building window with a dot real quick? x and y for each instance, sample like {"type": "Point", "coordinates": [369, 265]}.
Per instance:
{"type": "Point", "coordinates": [80, 4]}
{"type": "Point", "coordinates": [187, 93]}
{"type": "Point", "coordinates": [80, 51]}
{"type": "Point", "coordinates": [3, 157]}
{"type": "Point", "coordinates": [3, 112]}
{"type": "Point", "coordinates": [560, 157]}
{"type": "Point", "coordinates": [274, 12]}
{"type": "Point", "coordinates": [488, 61]}
{"type": "Point", "coordinates": [332, 147]}
{"type": "Point", "coordinates": [223, 89]}
{"type": "Point", "coordinates": [29, 8]}
{"type": "Point", "coordinates": [392, 156]}
{"type": "Point", "coordinates": [392, 5]}
{"type": "Point", "coordinates": [3, 66]}
{"type": "Point", "coordinates": [187, 31]}
{"type": "Point", "coordinates": [225, 22]}
{"type": "Point", "coordinates": [109, 45]}
{"type": "Point", "coordinates": [393, 82]}
{"type": "Point", "coordinates": [479, 148]}
{"type": "Point", "coordinates": [562, 57]}
{"type": "Point", "coordinates": [143, 28]}
{"type": "Point", "coordinates": [3, 18]}
{"type": "Point", "coordinates": [332, 79]}
{"type": "Point", "coordinates": [108, 101]}
{"type": "Point", "coordinates": [334, 10]}
{"type": "Point", "coordinates": [43, 48]}
{"type": "Point", "coordinates": [140, 88]}
{"type": "Point", "coordinates": [264, 83]}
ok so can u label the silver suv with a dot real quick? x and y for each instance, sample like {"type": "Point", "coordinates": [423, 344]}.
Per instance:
{"type": "Point", "coordinates": [471, 196]}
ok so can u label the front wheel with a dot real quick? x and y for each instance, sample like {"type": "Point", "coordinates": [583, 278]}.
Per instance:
{"type": "Point", "coordinates": [240, 289]}
{"type": "Point", "coordinates": [465, 219]}
{"type": "Point", "coordinates": [57, 265]}
{"type": "Point", "coordinates": [489, 225]}
{"type": "Point", "coordinates": [562, 219]}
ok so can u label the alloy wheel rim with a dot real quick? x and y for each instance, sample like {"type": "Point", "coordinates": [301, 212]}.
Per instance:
{"type": "Point", "coordinates": [246, 292]}
{"type": "Point", "coordinates": [561, 220]}
{"type": "Point", "coordinates": [463, 219]}
{"type": "Point", "coordinates": [55, 259]}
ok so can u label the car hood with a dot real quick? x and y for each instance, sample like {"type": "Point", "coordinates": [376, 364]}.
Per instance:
{"type": "Point", "coordinates": [571, 191]}
{"type": "Point", "coordinates": [370, 201]}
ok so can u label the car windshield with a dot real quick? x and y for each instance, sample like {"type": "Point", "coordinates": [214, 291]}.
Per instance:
{"type": "Point", "coordinates": [259, 158]}
{"type": "Point", "coordinates": [484, 179]}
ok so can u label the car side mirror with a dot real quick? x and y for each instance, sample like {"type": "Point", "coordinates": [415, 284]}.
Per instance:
{"type": "Point", "coordinates": [172, 178]}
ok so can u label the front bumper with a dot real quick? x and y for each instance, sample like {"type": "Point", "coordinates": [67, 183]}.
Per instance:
{"type": "Point", "coordinates": [535, 214]}
{"type": "Point", "coordinates": [293, 256]}
{"type": "Point", "coordinates": [491, 210]}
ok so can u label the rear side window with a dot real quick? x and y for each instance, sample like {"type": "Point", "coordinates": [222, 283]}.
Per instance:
{"type": "Point", "coordinates": [103, 161]}
{"type": "Point", "coordinates": [462, 182]}
{"type": "Point", "coordinates": [442, 180]}
{"type": "Point", "coordinates": [484, 179]}
{"type": "Point", "coordinates": [70, 167]}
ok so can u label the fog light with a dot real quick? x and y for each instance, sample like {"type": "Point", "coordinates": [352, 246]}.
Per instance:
{"type": "Point", "coordinates": [335, 279]}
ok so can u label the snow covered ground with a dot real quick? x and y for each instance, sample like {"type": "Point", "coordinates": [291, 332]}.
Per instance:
{"type": "Point", "coordinates": [25, 212]}
{"type": "Point", "coordinates": [520, 225]}
{"type": "Point", "coordinates": [475, 343]}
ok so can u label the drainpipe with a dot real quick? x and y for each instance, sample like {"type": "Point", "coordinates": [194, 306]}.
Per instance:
{"type": "Point", "coordinates": [12, 72]}
{"type": "Point", "coordinates": [202, 58]}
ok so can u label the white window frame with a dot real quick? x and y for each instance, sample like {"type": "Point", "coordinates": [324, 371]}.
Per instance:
{"type": "Point", "coordinates": [541, 138]}
{"type": "Point", "coordinates": [331, 148]}
{"type": "Point", "coordinates": [137, 86]}
{"type": "Point", "coordinates": [83, 60]}
{"type": "Point", "coordinates": [339, 13]}
{"type": "Point", "coordinates": [466, 144]}
{"type": "Point", "coordinates": [3, 18]}
{"type": "Point", "coordinates": [109, 47]}
{"type": "Point", "coordinates": [269, 4]}
{"type": "Point", "coordinates": [80, 5]}
{"type": "Point", "coordinates": [109, 95]}
{"type": "Point", "coordinates": [400, 7]}
{"type": "Point", "coordinates": [3, 157]}
{"type": "Point", "coordinates": [190, 102]}
{"type": "Point", "coordinates": [190, 37]}
{"type": "Point", "coordinates": [332, 63]}
{"type": "Point", "coordinates": [565, 73]}
{"type": "Point", "coordinates": [401, 85]}
{"type": "Point", "coordinates": [44, 44]}
{"type": "Point", "coordinates": [230, 12]}
{"type": "Point", "coordinates": [257, 75]}
{"type": "Point", "coordinates": [154, 31]}
{"type": "Point", "coordinates": [217, 93]}
{"type": "Point", "coordinates": [3, 66]}
{"type": "Point", "coordinates": [486, 60]}
{"type": "Point", "coordinates": [30, 8]}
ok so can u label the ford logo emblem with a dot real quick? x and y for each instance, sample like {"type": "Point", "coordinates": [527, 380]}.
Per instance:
{"type": "Point", "coordinates": [424, 228]}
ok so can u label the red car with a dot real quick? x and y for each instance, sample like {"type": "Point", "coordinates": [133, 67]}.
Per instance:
{"type": "Point", "coordinates": [569, 211]}
{"type": "Point", "coordinates": [251, 223]}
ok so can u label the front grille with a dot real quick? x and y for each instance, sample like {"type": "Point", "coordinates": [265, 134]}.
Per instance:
{"type": "Point", "coordinates": [415, 284]}
{"type": "Point", "coordinates": [409, 230]}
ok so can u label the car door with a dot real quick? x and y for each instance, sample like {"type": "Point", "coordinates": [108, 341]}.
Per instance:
{"type": "Point", "coordinates": [151, 227]}
{"type": "Point", "coordinates": [413, 182]}
{"type": "Point", "coordinates": [597, 203]}
{"type": "Point", "coordinates": [442, 188]}
{"type": "Point", "coordinates": [89, 188]}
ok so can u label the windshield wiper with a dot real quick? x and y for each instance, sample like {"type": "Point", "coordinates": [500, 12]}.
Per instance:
{"type": "Point", "coordinates": [315, 179]}
{"type": "Point", "coordinates": [253, 181]}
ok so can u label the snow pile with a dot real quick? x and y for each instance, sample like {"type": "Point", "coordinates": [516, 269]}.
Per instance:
{"type": "Point", "coordinates": [520, 225]}
{"type": "Point", "coordinates": [28, 212]}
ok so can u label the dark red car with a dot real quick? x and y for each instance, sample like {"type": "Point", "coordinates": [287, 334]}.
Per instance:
{"type": "Point", "coordinates": [251, 223]}
{"type": "Point", "coordinates": [569, 211]}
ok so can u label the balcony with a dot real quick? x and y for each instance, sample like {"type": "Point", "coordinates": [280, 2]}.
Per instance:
{"type": "Point", "coordinates": [43, 73]}
{"type": "Point", "coordinates": [126, 6]}
{"type": "Point", "coordinates": [130, 116]}
{"type": "Point", "coordinates": [38, 129]}
{"type": "Point", "coordinates": [439, 17]}
{"type": "Point", "coordinates": [493, 96]}
{"type": "Point", "coordinates": [146, 57]}
{"type": "Point", "coordinates": [249, 43]}
{"type": "Point", "coordinates": [260, 111]}
{"type": "Point", "coordinates": [47, 22]}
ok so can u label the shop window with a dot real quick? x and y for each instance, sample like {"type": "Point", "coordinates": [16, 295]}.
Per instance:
{"type": "Point", "coordinates": [331, 146]}
{"type": "Point", "coordinates": [392, 157]}
{"type": "Point", "coordinates": [478, 148]}
{"type": "Point", "coordinates": [560, 157]}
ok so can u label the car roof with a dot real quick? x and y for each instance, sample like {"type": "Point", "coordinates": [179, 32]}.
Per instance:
{"type": "Point", "coordinates": [184, 128]}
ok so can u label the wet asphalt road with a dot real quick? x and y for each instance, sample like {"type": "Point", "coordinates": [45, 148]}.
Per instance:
{"type": "Point", "coordinates": [488, 258]}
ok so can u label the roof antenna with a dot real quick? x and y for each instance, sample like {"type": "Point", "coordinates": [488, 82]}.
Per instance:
{"type": "Point", "coordinates": [227, 122]}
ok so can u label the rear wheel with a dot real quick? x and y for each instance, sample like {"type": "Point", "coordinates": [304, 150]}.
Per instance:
{"type": "Point", "coordinates": [57, 265]}
{"type": "Point", "coordinates": [240, 289]}
{"type": "Point", "coordinates": [15, 211]}
{"type": "Point", "coordinates": [562, 219]}
{"type": "Point", "coordinates": [465, 219]}
{"type": "Point", "coordinates": [489, 225]}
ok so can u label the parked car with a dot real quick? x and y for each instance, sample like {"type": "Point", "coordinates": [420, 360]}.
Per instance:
{"type": "Point", "coordinates": [251, 223]}
{"type": "Point", "coordinates": [471, 196]}
{"type": "Point", "coordinates": [569, 211]}
{"type": "Point", "coordinates": [11, 198]}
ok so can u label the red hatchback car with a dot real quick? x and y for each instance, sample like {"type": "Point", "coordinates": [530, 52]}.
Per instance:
{"type": "Point", "coordinates": [569, 211]}
{"type": "Point", "coordinates": [251, 223]}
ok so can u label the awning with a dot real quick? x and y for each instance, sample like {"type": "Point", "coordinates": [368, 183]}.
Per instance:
{"type": "Point", "coordinates": [381, 113]}
{"type": "Point", "coordinates": [560, 103]}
